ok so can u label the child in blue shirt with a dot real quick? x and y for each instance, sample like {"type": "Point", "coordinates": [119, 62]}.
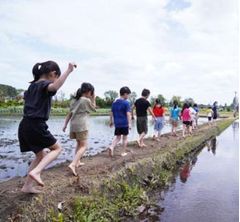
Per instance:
{"type": "Point", "coordinates": [174, 117]}
{"type": "Point", "coordinates": [120, 117]}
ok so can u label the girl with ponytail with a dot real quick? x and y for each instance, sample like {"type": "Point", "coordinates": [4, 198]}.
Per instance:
{"type": "Point", "coordinates": [33, 131]}
{"type": "Point", "coordinates": [83, 103]}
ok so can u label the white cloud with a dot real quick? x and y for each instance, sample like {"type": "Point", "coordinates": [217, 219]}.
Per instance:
{"type": "Point", "coordinates": [189, 52]}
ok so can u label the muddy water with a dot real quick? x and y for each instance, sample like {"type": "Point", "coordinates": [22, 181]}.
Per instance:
{"type": "Point", "coordinates": [14, 163]}
{"type": "Point", "coordinates": [206, 187]}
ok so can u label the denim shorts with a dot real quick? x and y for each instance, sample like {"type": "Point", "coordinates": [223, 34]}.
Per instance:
{"type": "Point", "coordinates": [159, 123]}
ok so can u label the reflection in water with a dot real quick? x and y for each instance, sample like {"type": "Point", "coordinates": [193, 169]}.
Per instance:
{"type": "Point", "coordinates": [212, 145]}
{"type": "Point", "coordinates": [211, 193]}
{"type": "Point", "coordinates": [186, 169]}
{"type": "Point", "coordinates": [235, 127]}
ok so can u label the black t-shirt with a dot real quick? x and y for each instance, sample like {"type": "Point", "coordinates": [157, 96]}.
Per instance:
{"type": "Point", "coordinates": [142, 105]}
{"type": "Point", "coordinates": [38, 100]}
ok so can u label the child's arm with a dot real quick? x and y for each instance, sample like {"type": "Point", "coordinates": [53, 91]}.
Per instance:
{"type": "Point", "coordinates": [151, 112]}
{"type": "Point", "coordinates": [111, 119]}
{"type": "Point", "coordinates": [53, 87]}
{"type": "Point", "coordinates": [67, 119]}
{"type": "Point", "coordinates": [129, 118]}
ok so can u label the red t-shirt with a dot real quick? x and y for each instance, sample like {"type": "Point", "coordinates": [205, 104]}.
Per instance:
{"type": "Point", "coordinates": [158, 111]}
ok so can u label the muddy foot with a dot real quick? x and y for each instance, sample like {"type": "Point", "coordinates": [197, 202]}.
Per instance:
{"type": "Point", "coordinates": [31, 190]}
{"type": "Point", "coordinates": [73, 170]}
{"type": "Point", "coordinates": [37, 178]}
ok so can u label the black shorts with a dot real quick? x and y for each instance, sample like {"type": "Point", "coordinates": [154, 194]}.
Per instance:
{"type": "Point", "coordinates": [209, 118]}
{"type": "Point", "coordinates": [33, 135]}
{"type": "Point", "coordinates": [215, 116]}
{"type": "Point", "coordinates": [187, 123]}
{"type": "Point", "coordinates": [121, 131]}
{"type": "Point", "coordinates": [142, 124]}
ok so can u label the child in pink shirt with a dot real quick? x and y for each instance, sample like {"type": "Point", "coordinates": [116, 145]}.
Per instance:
{"type": "Point", "coordinates": [186, 119]}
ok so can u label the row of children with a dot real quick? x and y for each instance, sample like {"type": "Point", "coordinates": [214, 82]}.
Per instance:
{"type": "Point", "coordinates": [33, 131]}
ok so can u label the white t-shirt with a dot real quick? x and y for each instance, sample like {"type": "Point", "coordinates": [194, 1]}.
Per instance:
{"type": "Point", "coordinates": [193, 113]}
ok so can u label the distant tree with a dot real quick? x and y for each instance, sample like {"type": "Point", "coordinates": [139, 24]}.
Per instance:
{"type": "Point", "coordinates": [161, 99]}
{"type": "Point", "coordinates": [176, 98]}
{"type": "Point", "coordinates": [110, 96]}
{"type": "Point", "coordinates": [189, 101]}
{"type": "Point", "coordinates": [100, 102]}
{"type": "Point", "coordinates": [132, 97]}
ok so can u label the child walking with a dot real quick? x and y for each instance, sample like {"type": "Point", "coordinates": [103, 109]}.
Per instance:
{"type": "Point", "coordinates": [209, 115]}
{"type": "Point", "coordinates": [159, 112]}
{"type": "Point", "coordinates": [82, 104]}
{"type": "Point", "coordinates": [33, 131]}
{"type": "Point", "coordinates": [174, 117]}
{"type": "Point", "coordinates": [120, 117]}
{"type": "Point", "coordinates": [193, 114]}
{"type": "Point", "coordinates": [142, 106]}
{"type": "Point", "coordinates": [186, 119]}
{"type": "Point", "coordinates": [195, 107]}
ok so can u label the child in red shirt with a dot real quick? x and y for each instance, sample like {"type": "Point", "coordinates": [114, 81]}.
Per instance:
{"type": "Point", "coordinates": [159, 113]}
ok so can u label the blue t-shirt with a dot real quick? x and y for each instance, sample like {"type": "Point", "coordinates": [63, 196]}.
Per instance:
{"type": "Point", "coordinates": [119, 109]}
{"type": "Point", "coordinates": [175, 113]}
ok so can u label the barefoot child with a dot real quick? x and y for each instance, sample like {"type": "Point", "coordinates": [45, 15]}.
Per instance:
{"type": "Point", "coordinates": [121, 118]}
{"type": "Point", "coordinates": [142, 106]}
{"type": "Point", "coordinates": [33, 131]}
{"type": "Point", "coordinates": [186, 119]}
{"type": "Point", "coordinates": [195, 107]}
{"type": "Point", "coordinates": [174, 117]}
{"type": "Point", "coordinates": [209, 115]}
{"type": "Point", "coordinates": [159, 113]}
{"type": "Point", "coordinates": [83, 103]}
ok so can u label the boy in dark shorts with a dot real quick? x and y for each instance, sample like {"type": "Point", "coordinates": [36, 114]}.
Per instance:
{"type": "Point", "coordinates": [142, 107]}
{"type": "Point", "coordinates": [120, 117]}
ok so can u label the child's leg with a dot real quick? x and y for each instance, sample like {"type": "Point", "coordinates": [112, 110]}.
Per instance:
{"type": "Point", "coordinates": [29, 182]}
{"type": "Point", "coordinates": [47, 159]}
{"type": "Point", "coordinates": [141, 137]}
{"type": "Point", "coordinates": [114, 143]}
{"type": "Point", "coordinates": [82, 146]}
{"type": "Point", "coordinates": [184, 130]}
{"type": "Point", "coordinates": [125, 141]}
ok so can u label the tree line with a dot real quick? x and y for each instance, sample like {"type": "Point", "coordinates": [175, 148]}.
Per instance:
{"type": "Point", "coordinates": [10, 96]}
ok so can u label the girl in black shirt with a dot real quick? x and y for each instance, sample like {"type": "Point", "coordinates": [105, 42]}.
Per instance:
{"type": "Point", "coordinates": [33, 131]}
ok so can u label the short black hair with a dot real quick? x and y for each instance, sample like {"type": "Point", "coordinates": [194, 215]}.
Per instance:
{"type": "Point", "coordinates": [145, 92]}
{"type": "Point", "coordinates": [124, 90]}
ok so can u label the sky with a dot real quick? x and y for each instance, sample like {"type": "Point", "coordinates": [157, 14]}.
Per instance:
{"type": "Point", "coordinates": [172, 47]}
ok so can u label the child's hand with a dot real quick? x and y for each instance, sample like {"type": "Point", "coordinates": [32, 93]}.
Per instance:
{"type": "Point", "coordinates": [111, 124]}
{"type": "Point", "coordinates": [64, 129]}
{"type": "Point", "coordinates": [71, 66]}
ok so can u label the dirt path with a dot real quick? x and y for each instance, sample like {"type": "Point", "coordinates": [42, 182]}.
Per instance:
{"type": "Point", "coordinates": [60, 185]}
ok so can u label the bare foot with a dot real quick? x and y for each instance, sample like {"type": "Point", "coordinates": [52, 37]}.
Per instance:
{"type": "Point", "coordinates": [138, 143]}
{"type": "Point", "coordinates": [110, 152]}
{"type": "Point", "coordinates": [73, 169]}
{"type": "Point", "coordinates": [143, 145]}
{"type": "Point", "coordinates": [30, 189]}
{"type": "Point", "coordinates": [80, 164]}
{"type": "Point", "coordinates": [36, 177]}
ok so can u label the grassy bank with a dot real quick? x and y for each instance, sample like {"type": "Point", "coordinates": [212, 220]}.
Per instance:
{"type": "Point", "coordinates": [106, 189]}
